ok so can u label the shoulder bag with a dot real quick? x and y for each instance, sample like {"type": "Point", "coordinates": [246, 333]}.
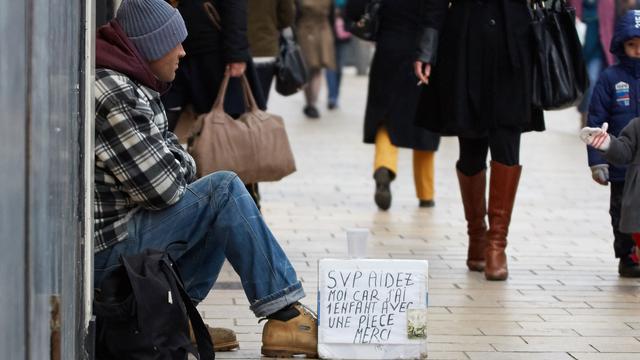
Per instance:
{"type": "Point", "coordinates": [255, 146]}
{"type": "Point", "coordinates": [291, 71]}
{"type": "Point", "coordinates": [559, 74]}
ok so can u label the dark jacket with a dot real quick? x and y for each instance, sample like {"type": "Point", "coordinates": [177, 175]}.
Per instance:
{"type": "Point", "coordinates": [616, 94]}
{"type": "Point", "coordinates": [625, 150]}
{"type": "Point", "coordinates": [203, 37]}
{"type": "Point", "coordinates": [208, 52]}
{"type": "Point", "coordinates": [266, 19]}
{"type": "Point", "coordinates": [481, 52]}
{"type": "Point", "coordinates": [393, 94]}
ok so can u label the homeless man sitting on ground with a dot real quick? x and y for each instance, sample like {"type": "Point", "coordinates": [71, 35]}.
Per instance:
{"type": "Point", "coordinates": [145, 197]}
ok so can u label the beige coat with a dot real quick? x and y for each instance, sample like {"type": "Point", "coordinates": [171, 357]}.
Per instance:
{"type": "Point", "coordinates": [314, 34]}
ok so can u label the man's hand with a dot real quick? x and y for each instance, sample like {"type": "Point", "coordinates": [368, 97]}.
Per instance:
{"type": "Point", "coordinates": [422, 71]}
{"type": "Point", "coordinates": [598, 138]}
{"type": "Point", "coordinates": [236, 69]}
{"type": "Point", "coordinates": [600, 174]}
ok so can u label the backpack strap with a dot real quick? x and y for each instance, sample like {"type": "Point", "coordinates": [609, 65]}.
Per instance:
{"type": "Point", "coordinates": [203, 339]}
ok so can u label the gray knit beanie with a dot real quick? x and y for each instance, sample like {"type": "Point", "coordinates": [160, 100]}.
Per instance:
{"type": "Point", "coordinates": [153, 26]}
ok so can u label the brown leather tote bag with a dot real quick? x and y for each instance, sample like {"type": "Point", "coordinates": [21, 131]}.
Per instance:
{"type": "Point", "coordinates": [254, 146]}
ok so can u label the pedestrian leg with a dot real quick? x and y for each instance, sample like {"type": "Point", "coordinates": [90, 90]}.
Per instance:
{"type": "Point", "coordinates": [385, 168]}
{"type": "Point", "coordinates": [423, 176]}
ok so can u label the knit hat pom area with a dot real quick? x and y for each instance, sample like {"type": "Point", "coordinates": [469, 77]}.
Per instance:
{"type": "Point", "coordinates": [153, 26]}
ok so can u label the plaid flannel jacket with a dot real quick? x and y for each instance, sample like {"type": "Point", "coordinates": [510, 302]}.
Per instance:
{"type": "Point", "coordinates": [138, 162]}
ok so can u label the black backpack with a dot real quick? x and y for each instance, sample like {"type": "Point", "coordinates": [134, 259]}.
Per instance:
{"type": "Point", "coordinates": [143, 312]}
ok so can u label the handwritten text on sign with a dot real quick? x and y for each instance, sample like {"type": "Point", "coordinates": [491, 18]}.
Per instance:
{"type": "Point", "coordinates": [366, 301]}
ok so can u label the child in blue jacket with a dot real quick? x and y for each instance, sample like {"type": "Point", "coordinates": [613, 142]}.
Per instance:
{"type": "Point", "coordinates": [616, 100]}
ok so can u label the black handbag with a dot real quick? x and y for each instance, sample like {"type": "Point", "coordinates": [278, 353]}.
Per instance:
{"type": "Point", "coordinates": [143, 313]}
{"type": "Point", "coordinates": [291, 71]}
{"type": "Point", "coordinates": [559, 73]}
{"type": "Point", "coordinates": [566, 18]}
{"type": "Point", "coordinates": [366, 25]}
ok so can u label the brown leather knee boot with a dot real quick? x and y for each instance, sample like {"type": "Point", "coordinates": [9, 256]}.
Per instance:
{"type": "Point", "coordinates": [502, 193]}
{"type": "Point", "coordinates": [472, 189]}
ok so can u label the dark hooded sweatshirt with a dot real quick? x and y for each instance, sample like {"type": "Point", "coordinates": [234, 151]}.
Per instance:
{"type": "Point", "coordinates": [138, 163]}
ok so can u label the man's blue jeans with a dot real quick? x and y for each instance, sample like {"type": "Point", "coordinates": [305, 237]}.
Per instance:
{"type": "Point", "coordinates": [214, 220]}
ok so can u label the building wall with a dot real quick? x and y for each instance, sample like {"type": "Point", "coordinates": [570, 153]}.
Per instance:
{"type": "Point", "coordinates": [43, 176]}
{"type": "Point", "coordinates": [13, 73]}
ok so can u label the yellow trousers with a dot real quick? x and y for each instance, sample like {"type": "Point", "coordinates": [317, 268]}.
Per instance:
{"type": "Point", "coordinates": [423, 164]}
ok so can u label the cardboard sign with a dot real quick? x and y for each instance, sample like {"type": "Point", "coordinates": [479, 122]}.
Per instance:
{"type": "Point", "coordinates": [372, 303]}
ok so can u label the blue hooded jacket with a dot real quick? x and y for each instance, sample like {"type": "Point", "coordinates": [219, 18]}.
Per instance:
{"type": "Point", "coordinates": [616, 95]}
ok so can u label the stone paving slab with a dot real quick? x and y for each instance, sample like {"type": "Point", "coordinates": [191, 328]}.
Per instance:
{"type": "Point", "coordinates": [564, 299]}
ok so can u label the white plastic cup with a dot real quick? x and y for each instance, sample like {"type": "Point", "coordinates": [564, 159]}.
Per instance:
{"type": "Point", "coordinates": [357, 242]}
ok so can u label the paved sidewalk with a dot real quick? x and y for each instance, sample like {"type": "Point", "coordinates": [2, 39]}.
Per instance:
{"type": "Point", "coordinates": [563, 300]}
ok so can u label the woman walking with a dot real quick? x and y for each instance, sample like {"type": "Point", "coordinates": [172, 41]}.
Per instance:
{"type": "Point", "coordinates": [393, 99]}
{"type": "Point", "coordinates": [314, 34]}
{"type": "Point", "coordinates": [479, 90]}
{"type": "Point", "coordinates": [212, 51]}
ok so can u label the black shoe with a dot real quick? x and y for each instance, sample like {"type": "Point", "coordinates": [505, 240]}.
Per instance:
{"type": "Point", "coordinates": [311, 112]}
{"type": "Point", "coordinates": [383, 177]}
{"type": "Point", "coordinates": [627, 268]}
{"type": "Point", "coordinates": [427, 203]}
{"type": "Point", "coordinates": [332, 105]}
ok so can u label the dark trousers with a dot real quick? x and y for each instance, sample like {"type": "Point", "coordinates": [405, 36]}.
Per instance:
{"type": "Point", "coordinates": [266, 71]}
{"type": "Point", "coordinates": [622, 243]}
{"type": "Point", "coordinates": [504, 144]}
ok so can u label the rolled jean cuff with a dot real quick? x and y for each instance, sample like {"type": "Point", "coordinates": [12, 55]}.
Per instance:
{"type": "Point", "coordinates": [276, 301]}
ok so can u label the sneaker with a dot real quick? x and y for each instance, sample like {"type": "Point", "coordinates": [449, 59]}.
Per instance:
{"type": "Point", "coordinates": [427, 203]}
{"type": "Point", "coordinates": [223, 339]}
{"type": "Point", "coordinates": [383, 178]}
{"type": "Point", "coordinates": [295, 333]}
{"type": "Point", "coordinates": [332, 105]}
{"type": "Point", "coordinates": [627, 268]}
{"type": "Point", "coordinates": [311, 112]}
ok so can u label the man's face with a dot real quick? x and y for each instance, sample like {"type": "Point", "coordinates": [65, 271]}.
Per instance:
{"type": "Point", "coordinates": [165, 67]}
{"type": "Point", "coordinates": [632, 48]}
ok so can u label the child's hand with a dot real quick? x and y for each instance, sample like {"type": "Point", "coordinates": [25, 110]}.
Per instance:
{"type": "Point", "coordinates": [598, 138]}
{"type": "Point", "coordinates": [600, 174]}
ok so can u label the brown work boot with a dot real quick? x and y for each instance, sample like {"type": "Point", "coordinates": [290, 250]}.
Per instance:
{"type": "Point", "coordinates": [502, 193]}
{"type": "Point", "coordinates": [223, 339]}
{"type": "Point", "coordinates": [472, 189]}
{"type": "Point", "coordinates": [295, 333]}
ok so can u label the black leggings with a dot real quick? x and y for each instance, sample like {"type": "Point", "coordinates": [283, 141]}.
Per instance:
{"type": "Point", "coordinates": [505, 149]}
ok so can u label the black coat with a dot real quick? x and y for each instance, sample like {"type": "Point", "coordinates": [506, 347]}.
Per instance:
{"type": "Point", "coordinates": [482, 71]}
{"type": "Point", "coordinates": [209, 50]}
{"type": "Point", "coordinates": [393, 94]}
